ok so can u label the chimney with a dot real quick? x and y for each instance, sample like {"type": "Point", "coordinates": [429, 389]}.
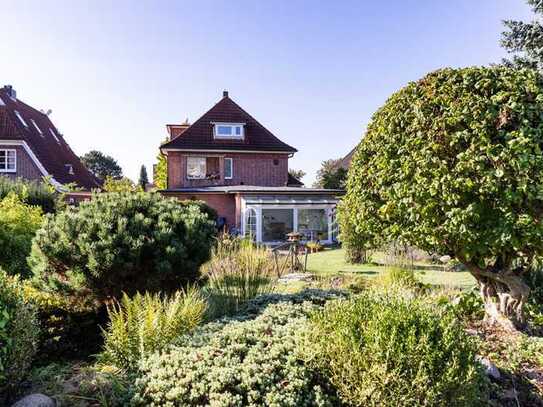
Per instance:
{"type": "Point", "coordinates": [10, 91]}
{"type": "Point", "coordinates": [176, 130]}
{"type": "Point", "coordinates": [224, 93]}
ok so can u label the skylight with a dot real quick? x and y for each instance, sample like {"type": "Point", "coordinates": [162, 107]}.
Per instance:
{"type": "Point", "coordinates": [54, 135]}
{"type": "Point", "coordinates": [20, 118]}
{"type": "Point", "coordinates": [36, 127]}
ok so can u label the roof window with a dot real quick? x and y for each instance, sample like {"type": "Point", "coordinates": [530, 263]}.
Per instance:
{"type": "Point", "coordinates": [70, 168]}
{"type": "Point", "coordinates": [36, 127]}
{"type": "Point", "coordinates": [21, 118]}
{"type": "Point", "coordinates": [54, 135]}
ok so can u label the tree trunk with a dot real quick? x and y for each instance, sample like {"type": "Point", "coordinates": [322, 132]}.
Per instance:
{"type": "Point", "coordinates": [504, 295]}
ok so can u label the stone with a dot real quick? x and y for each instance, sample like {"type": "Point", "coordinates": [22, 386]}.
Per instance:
{"type": "Point", "coordinates": [490, 368]}
{"type": "Point", "coordinates": [35, 400]}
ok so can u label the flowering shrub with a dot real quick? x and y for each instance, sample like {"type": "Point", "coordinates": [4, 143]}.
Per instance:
{"type": "Point", "coordinates": [393, 350]}
{"type": "Point", "coordinates": [240, 361]}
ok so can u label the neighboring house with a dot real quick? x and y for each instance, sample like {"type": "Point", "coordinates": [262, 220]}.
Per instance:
{"type": "Point", "coordinates": [31, 147]}
{"type": "Point", "coordinates": [345, 162]}
{"type": "Point", "coordinates": [229, 160]}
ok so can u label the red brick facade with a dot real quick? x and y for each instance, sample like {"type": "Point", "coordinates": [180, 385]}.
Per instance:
{"type": "Point", "coordinates": [270, 170]}
{"type": "Point", "coordinates": [25, 166]}
{"type": "Point", "coordinates": [224, 204]}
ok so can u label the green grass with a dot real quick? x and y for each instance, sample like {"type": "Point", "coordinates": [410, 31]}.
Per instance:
{"type": "Point", "coordinates": [331, 263]}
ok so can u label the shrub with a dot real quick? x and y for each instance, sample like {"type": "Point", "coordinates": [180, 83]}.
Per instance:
{"type": "Point", "coordinates": [122, 242]}
{"type": "Point", "coordinates": [387, 350]}
{"type": "Point", "coordinates": [19, 331]}
{"type": "Point", "coordinates": [147, 323]}
{"type": "Point", "coordinates": [70, 326]}
{"type": "Point", "coordinates": [33, 193]}
{"type": "Point", "coordinates": [239, 361]}
{"type": "Point", "coordinates": [18, 225]}
{"type": "Point", "coordinates": [237, 272]}
{"type": "Point", "coordinates": [452, 164]}
{"type": "Point", "coordinates": [395, 277]}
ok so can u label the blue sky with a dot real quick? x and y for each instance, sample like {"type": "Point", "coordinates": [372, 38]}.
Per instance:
{"type": "Point", "coordinates": [114, 73]}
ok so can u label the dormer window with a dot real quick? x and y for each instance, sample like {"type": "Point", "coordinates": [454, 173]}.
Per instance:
{"type": "Point", "coordinates": [23, 122]}
{"type": "Point", "coordinates": [69, 168]}
{"type": "Point", "coordinates": [229, 130]}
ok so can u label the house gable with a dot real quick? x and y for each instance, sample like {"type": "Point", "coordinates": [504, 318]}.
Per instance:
{"type": "Point", "coordinates": [37, 139]}
{"type": "Point", "coordinates": [201, 136]}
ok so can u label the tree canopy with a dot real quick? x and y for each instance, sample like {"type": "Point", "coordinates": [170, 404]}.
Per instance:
{"type": "Point", "coordinates": [298, 174]}
{"type": "Point", "coordinates": [101, 165]}
{"type": "Point", "coordinates": [143, 179]}
{"type": "Point", "coordinates": [453, 164]}
{"type": "Point", "coordinates": [331, 175]}
{"type": "Point", "coordinates": [160, 172]}
{"type": "Point", "coordinates": [525, 40]}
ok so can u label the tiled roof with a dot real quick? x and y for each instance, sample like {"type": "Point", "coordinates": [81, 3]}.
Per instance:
{"type": "Point", "coordinates": [45, 141]}
{"type": "Point", "coordinates": [199, 136]}
{"type": "Point", "coordinates": [345, 162]}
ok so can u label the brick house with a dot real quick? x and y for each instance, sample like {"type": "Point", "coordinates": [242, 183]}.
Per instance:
{"type": "Point", "coordinates": [229, 160]}
{"type": "Point", "coordinates": [31, 147]}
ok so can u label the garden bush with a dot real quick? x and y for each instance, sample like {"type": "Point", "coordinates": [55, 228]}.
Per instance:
{"type": "Point", "coordinates": [395, 277]}
{"type": "Point", "coordinates": [122, 242]}
{"type": "Point", "coordinates": [70, 327]}
{"type": "Point", "coordinates": [390, 350]}
{"type": "Point", "coordinates": [18, 225]}
{"type": "Point", "coordinates": [31, 192]}
{"type": "Point", "coordinates": [147, 323]}
{"type": "Point", "coordinates": [19, 332]}
{"type": "Point", "coordinates": [237, 272]}
{"type": "Point", "coordinates": [250, 360]}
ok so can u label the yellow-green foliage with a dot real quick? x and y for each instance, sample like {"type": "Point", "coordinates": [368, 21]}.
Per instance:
{"type": "Point", "coordinates": [19, 332]}
{"type": "Point", "coordinates": [146, 323]}
{"type": "Point", "coordinates": [18, 225]}
{"type": "Point", "coordinates": [238, 271]}
{"type": "Point", "coordinates": [395, 277]}
{"type": "Point", "coordinates": [389, 350]}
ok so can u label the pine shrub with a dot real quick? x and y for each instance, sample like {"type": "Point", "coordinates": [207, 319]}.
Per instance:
{"type": "Point", "coordinates": [391, 350]}
{"type": "Point", "coordinates": [147, 323]}
{"type": "Point", "coordinates": [122, 242]}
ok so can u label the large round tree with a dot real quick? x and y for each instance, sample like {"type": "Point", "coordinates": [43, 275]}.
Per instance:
{"type": "Point", "coordinates": [453, 164]}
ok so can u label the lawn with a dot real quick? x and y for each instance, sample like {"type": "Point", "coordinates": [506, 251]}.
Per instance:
{"type": "Point", "coordinates": [331, 263]}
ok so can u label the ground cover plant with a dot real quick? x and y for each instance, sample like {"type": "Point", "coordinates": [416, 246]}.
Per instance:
{"type": "Point", "coordinates": [247, 360]}
{"type": "Point", "coordinates": [122, 242]}
{"type": "Point", "coordinates": [453, 164]}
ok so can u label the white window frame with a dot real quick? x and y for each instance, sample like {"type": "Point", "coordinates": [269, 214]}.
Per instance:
{"type": "Point", "coordinates": [37, 127]}
{"type": "Point", "coordinates": [23, 122]}
{"type": "Point", "coordinates": [7, 151]}
{"type": "Point", "coordinates": [70, 168]}
{"type": "Point", "coordinates": [187, 166]}
{"type": "Point", "coordinates": [231, 168]}
{"type": "Point", "coordinates": [233, 135]}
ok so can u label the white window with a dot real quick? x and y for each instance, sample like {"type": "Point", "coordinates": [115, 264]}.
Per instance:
{"type": "Point", "coordinates": [21, 118]}
{"type": "Point", "coordinates": [196, 167]}
{"type": "Point", "coordinates": [36, 127]}
{"type": "Point", "coordinates": [54, 135]}
{"type": "Point", "coordinates": [250, 223]}
{"type": "Point", "coordinates": [8, 160]}
{"type": "Point", "coordinates": [228, 168]}
{"type": "Point", "coordinates": [69, 168]}
{"type": "Point", "coordinates": [228, 130]}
